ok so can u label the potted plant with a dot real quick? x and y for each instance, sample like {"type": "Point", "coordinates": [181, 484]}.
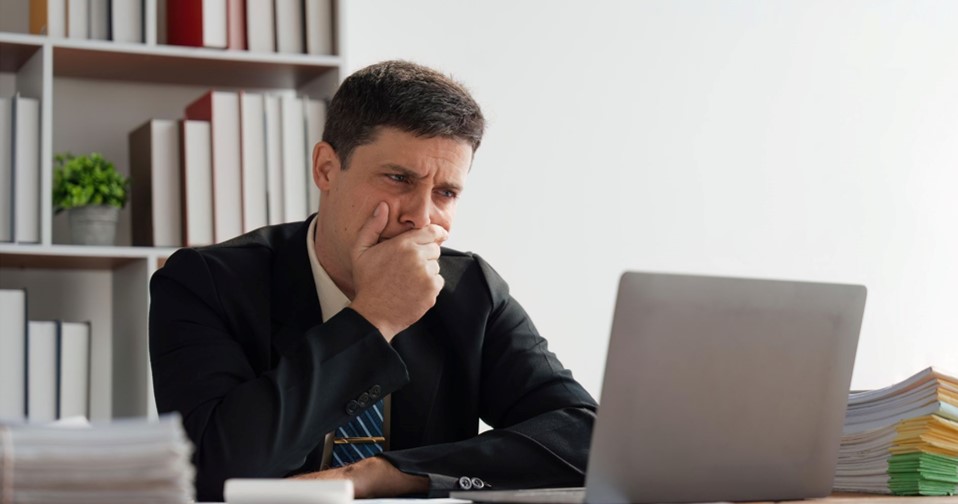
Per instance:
{"type": "Point", "coordinates": [93, 192]}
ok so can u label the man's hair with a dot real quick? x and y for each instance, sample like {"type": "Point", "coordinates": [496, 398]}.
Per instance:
{"type": "Point", "coordinates": [402, 95]}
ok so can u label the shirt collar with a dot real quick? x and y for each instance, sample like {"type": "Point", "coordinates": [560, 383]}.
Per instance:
{"type": "Point", "coordinates": [331, 299]}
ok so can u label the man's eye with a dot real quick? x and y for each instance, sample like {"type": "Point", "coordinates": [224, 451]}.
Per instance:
{"type": "Point", "coordinates": [395, 177]}
{"type": "Point", "coordinates": [449, 194]}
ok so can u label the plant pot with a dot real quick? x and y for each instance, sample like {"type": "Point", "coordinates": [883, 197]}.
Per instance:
{"type": "Point", "coordinates": [93, 225]}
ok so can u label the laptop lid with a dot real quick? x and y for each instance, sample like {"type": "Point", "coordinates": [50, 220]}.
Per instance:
{"type": "Point", "coordinates": [723, 389]}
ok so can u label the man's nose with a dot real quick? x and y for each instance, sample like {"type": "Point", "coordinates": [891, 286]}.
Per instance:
{"type": "Point", "coordinates": [417, 211]}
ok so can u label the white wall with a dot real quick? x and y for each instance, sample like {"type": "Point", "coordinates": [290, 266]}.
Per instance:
{"type": "Point", "coordinates": [813, 140]}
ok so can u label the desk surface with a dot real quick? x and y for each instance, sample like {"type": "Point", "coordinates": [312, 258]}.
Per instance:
{"type": "Point", "coordinates": [856, 498]}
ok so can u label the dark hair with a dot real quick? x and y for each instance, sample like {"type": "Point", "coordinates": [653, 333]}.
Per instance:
{"type": "Point", "coordinates": [403, 95]}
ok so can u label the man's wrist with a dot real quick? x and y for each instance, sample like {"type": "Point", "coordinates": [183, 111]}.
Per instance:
{"type": "Point", "coordinates": [364, 311]}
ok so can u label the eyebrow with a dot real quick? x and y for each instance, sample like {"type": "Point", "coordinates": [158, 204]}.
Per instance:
{"type": "Point", "coordinates": [402, 170]}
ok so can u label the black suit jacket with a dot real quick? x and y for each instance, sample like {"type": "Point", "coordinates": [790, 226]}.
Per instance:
{"type": "Point", "coordinates": [238, 348]}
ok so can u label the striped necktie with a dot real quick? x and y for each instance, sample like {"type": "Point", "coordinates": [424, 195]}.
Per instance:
{"type": "Point", "coordinates": [360, 438]}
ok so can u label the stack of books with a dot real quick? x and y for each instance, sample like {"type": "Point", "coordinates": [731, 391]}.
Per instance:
{"type": "Point", "coordinates": [902, 439]}
{"type": "Point", "coordinates": [124, 461]}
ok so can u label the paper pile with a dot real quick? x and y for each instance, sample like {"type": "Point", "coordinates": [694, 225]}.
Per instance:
{"type": "Point", "coordinates": [902, 439]}
{"type": "Point", "coordinates": [124, 461]}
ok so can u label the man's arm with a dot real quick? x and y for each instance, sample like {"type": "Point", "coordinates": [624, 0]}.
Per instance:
{"type": "Point", "coordinates": [244, 424]}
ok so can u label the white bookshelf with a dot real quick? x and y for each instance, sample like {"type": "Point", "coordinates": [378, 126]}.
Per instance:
{"type": "Point", "coordinates": [92, 94]}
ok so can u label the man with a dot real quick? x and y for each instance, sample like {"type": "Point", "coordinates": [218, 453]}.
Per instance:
{"type": "Point", "coordinates": [276, 342]}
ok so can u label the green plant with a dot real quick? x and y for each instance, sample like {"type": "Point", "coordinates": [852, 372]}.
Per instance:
{"type": "Point", "coordinates": [87, 180]}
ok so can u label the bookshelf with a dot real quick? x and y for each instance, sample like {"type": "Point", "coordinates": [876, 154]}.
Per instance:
{"type": "Point", "coordinates": [92, 94]}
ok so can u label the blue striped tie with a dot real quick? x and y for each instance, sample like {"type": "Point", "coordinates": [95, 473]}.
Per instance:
{"type": "Point", "coordinates": [369, 423]}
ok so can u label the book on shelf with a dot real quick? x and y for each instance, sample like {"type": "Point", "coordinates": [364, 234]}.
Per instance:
{"type": "Point", "coordinates": [253, 152]}
{"type": "Point", "coordinates": [222, 110]}
{"type": "Point", "coordinates": [155, 203]}
{"type": "Point", "coordinates": [274, 161]}
{"type": "Point", "coordinates": [43, 364]}
{"type": "Point", "coordinates": [315, 111]}
{"type": "Point", "coordinates": [295, 181]}
{"type": "Point", "coordinates": [236, 25]}
{"type": "Point", "coordinates": [260, 27]}
{"type": "Point", "coordinates": [78, 19]}
{"type": "Point", "coordinates": [289, 27]}
{"type": "Point", "coordinates": [319, 27]}
{"type": "Point", "coordinates": [99, 19]}
{"type": "Point", "coordinates": [6, 170]}
{"type": "Point", "coordinates": [26, 169]}
{"type": "Point", "coordinates": [48, 17]}
{"type": "Point", "coordinates": [73, 398]}
{"type": "Point", "coordinates": [126, 21]}
{"type": "Point", "coordinates": [197, 23]}
{"type": "Point", "coordinates": [197, 183]}
{"type": "Point", "coordinates": [902, 439]}
{"type": "Point", "coordinates": [13, 350]}
{"type": "Point", "coordinates": [129, 460]}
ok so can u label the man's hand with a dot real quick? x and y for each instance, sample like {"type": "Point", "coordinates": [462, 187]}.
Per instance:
{"type": "Point", "coordinates": [374, 477]}
{"type": "Point", "coordinates": [396, 280]}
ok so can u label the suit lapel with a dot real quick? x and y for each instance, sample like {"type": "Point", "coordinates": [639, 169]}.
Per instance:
{"type": "Point", "coordinates": [294, 304]}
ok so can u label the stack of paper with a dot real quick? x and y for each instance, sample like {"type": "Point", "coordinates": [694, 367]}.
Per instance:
{"type": "Point", "coordinates": [125, 461]}
{"type": "Point", "coordinates": [902, 439]}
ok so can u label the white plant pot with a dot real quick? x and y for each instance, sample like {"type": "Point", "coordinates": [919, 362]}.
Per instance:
{"type": "Point", "coordinates": [93, 225]}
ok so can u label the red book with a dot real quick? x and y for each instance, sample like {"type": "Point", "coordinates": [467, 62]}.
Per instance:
{"type": "Point", "coordinates": [197, 23]}
{"type": "Point", "coordinates": [236, 24]}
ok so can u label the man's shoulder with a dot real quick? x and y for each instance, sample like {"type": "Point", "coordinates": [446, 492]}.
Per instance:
{"type": "Point", "coordinates": [470, 269]}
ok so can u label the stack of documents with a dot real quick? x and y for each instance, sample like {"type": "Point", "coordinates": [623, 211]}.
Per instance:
{"type": "Point", "coordinates": [902, 439]}
{"type": "Point", "coordinates": [124, 461]}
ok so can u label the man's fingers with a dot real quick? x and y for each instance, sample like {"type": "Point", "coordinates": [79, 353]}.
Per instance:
{"type": "Point", "coordinates": [429, 234]}
{"type": "Point", "coordinates": [373, 227]}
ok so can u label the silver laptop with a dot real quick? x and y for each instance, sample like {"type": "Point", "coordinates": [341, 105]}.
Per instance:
{"type": "Point", "coordinates": [718, 389]}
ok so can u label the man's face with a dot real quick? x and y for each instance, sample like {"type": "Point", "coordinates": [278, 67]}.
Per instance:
{"type": "Point", "coordinates": [420, 179]}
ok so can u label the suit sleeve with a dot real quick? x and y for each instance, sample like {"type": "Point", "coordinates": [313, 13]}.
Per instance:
{"type": "Point", "coordinates": [541, 417]}
{"type": "Point", "coordinates": [245, 424]}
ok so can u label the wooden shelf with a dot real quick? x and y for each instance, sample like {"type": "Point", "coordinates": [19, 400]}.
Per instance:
{"type": "Point", "coordinates": [13, 54]}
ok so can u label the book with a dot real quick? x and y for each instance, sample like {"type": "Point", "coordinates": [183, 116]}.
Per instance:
{"type": "Point", "coordinates": [902, 439]}
{"type": "Point", "coordinates": [293, 131]}
{"type": "Point", "coordinates": [319, 27]}
{"type": "Point", "coordinates": [78, 19]}
{"type": "Point", "coordinates": [48, 17]}
{"type": "Point", "coordinates": [260, 27]}
{"type": "Point", "coordinates": [253, 153]}
{"type": "Point", "coordinates": [222, 110]}
{"type": "Point", "coordinates": [236, 25]}
{"type": "Point", "coordinates": [43, 365]}
{"type": "Point", "coordinates": [197, 23]}
{"type": "Point", "coordinates": [26, 169]}
{"type": "Point", "coordinates": [126, 21]}
{"type": "Point", "coordinates": [274, 161]}
{"type": "Point", "coordinates": [315, 111]}
{"type": "Point", "coordinates": [124, 461]}
{"type": "Point", "coordinates": [155, 184]}
{"type": "Point", "coordinates": [99, 18]}
{"type": "Point", "coordinates": [289, 26]}
{"type": "Point", "coordinates": [196, 181]}
{"type": "Point", "coordinates": [6, 170]}
{"type": "Point", "coordinates": [13, 353]}
{"type": "Point", "coordinates": [74, 370]}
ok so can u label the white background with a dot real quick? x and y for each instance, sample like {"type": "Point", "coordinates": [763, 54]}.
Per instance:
{"type": "Point", "coordinates": [809, 140]}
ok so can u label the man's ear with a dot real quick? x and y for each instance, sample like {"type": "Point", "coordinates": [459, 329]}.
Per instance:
{"type": "Point", "coordinates": [325, 165]}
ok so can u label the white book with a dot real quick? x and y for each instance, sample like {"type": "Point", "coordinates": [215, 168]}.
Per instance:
{"type": "Point", "coordinates": [319, 27]}
{"type": "Point", "coordinates": [26, 169]}
{"type": "Point", "coordinates": [42, 368]}
{"type": "Point", "coordinates": [253, 151]}
{"type": "Point", "coordinates": [260, 27]}
{"type": "Point", "coordinates": [315, 120]}
{"type": "Point", "coordinates": [155, 183]}
{"type": "Point", "coordinates": [74, 372]}
{"type": "Point", "coordinates": [289, 26]}
{"type": "Point", "coordinates": [99, 18]}
{"type": "Point", "coordinates": [274, 161]}
{"type": "Point", "coordinates": [6, 170]}
{"type": "Point", "coordinates": [78, 19]}
{"type": "Point", "coordinates": [48, 17]}
{"type": "Point", "coordinates": [13, 353]}
{"type": "Point", "coordinates": [197, 180]}
{"type": "Point", "coordinates": [222, 110]}
{"type": "Point", "coordinates": [126, 20]}
{"type": "Point", "coordinates": [215, 32]}
{"type": "Point", "coordinates": [294, 161]}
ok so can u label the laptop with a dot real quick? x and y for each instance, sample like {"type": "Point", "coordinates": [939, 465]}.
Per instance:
{"type": "Point", "coordinates": [717, 389]}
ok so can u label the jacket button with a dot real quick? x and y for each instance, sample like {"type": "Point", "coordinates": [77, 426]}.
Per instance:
{"type": "Point", "coordinates": [465, 483]}
{"type": "Point", "coordinates": [363, 399]}
{"type": "Point", "coordinates": [352, 407]}
{"type": "Point", "coordinates": [478, 484]}
{"type": "Point", "coordinates": [374, 391]}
